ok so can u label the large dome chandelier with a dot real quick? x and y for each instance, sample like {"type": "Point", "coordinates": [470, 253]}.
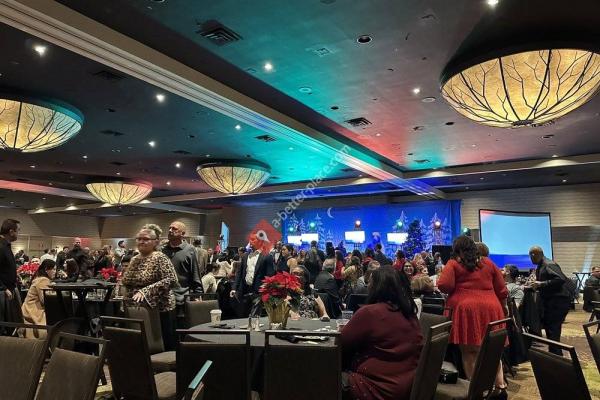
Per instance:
{"type": "Point", "coordinates": [525, 64]}
{"type": "Point", "coordinates": [119, 192]}
{"type": "Point", "coordinates": [30, 125]}
{"type": "Point", "coordinates": [233, 176]}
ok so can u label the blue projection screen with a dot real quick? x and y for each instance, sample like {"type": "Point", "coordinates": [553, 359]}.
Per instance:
{"type": "Point", "coordinates": [510, 235]}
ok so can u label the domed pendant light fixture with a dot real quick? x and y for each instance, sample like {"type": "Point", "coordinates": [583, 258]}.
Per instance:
{"type": "Point", "coordinates": [29, 125]}
{"type": "Point", "coordinates": [234, 176]}
{"type": "Point", "coordinates": [526, 64]}
{"type": "Point", "coordinates": [119, 192]}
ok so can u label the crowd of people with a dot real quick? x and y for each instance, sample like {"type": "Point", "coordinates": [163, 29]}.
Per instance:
{"type": "Point", "coordinates": [381, 342]}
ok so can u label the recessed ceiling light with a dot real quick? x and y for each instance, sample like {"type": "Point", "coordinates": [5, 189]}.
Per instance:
{"type": "Point", "coordinates": [473, 145]}
{"type": "Point", "coordinates": [41, 50]}
{"type": "Point", "coordinates": [364, 39]}
{"type": "Point", "coordinates": [177, 165]}
{"type": "Point", "coordinates": [118, 173]}
{"type": "Point", "coordinates": [492, 3]}
{"type": "Point", "coordinates": [50, 183]}
{"type": "Point", "coordinates": [238, 127]}
{"type": "Point", "coordinates": [160, 97]}
{"type": "Point", "coordinates": [428, 99]}
{"type": "Point", "coordinates": [467, 188]}
{"type": "Point", "coordinates": [43, 198]}
{"type": "Point", "coordinates": [378, 134]}
{"type": "Point", "coordinates": [168, 183]}
{"type": "Point", "coordinates": [32, 166]}
{"type": "Point", "coordinates": [564, 181]}
{"type": "Point", "coordinates": [416, 90]}
{"type": "Point", "coordinates": [152, 143]}
{"type": "Point", "coordinates": [208, 155]}
{"type": "Point", "coordinates": [554, 155]}
{"type": "Point", "coordinates": [290, 148]}
{"type": "Point", "coordinates": [84, 157]}
{"type": "Point", "coordinates": [268, 67]}
{"type": "Point", "coordinates": [482, 178]}
{"type": "Point", "coordinates": [305, 90]}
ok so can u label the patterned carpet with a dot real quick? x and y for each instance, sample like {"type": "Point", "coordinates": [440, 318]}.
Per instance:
{"type": "Point", "coordinates": [523, 386]}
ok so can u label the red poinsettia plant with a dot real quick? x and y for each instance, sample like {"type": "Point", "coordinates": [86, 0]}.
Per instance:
{"type": "Point", "coordinates": [26, 273]}
{"type": "Point", "coordinates": [279, 288]}
{"type": "Point", "coordinates": [109, 274]}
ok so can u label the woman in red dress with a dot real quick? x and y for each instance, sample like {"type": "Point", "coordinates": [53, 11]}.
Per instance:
{"type": "Point", "coordinates": [382, 341]}
{"type": "Point", "coordinates": [477, 296]}
{"type": "Point", "coordinates": [399, 261]}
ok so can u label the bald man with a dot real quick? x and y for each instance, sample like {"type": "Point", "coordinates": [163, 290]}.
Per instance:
{"type": "Point", "coordinates": [183, 256]}
{"type": "Point", "coordinates": [555, 297]}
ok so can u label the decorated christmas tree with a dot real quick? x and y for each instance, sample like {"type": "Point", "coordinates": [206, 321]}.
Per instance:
{"type": "Point", "coordinates": [320, 229]}
{"type": "Point", "coordinates": [302, 226]}
{"type": "Point", "coordinates": [293, 223]}
{"type": "Point", "coordinates": [401, 224]}
{"type": "Point", "coordinates": [414, 242]}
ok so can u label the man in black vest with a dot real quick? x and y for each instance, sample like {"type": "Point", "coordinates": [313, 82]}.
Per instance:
{"type": "Point", "coordinates": [255, 266]}
{"type": "Point", "coordinates": [554, 295]}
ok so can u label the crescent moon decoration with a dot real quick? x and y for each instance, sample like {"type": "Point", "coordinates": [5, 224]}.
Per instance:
{"type": "Point", "coordinates": [329, 212]}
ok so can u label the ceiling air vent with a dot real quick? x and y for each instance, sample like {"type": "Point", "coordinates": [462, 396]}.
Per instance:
{"type": "Point", "coordinates": [218, 33]}
{"type": "Point", "coordinates": [266, 138]}
{"type": "Point", "coordinates": [182, 152]}
{"type": "Point", "coordinates": [422, 161]}
{"type": "Point", "coordinates": [347, 169]}
{"type": "Point", "coordinates": [358, 122]}
{"type": "Point", "coordinates": [110, 132]}
{"type": "Point", "coordinates": [108, 75]}
{"type": "Point", "coordinates": [23, 180]}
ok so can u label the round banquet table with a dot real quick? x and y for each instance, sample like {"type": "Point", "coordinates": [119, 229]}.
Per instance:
{"type": "Point", "coordinates": [257, 338]}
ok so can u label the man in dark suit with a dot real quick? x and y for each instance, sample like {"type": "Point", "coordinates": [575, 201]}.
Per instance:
{"type": "Point", "coordinates": [255, 266]}
{"type": "Point", "coordinates": [554, 295]}
{"type": "Point", "coordinates": [380, 257]}
{"type": "Point", "coordinates": [212, 257]}
{"type": "Point", "coordinates": [325, 283]}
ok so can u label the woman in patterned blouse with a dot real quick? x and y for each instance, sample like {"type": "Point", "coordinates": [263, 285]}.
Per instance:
{"type": "Point", "coordinates": [149, 278]}
{"type": "Point", "coordinates": [311, 306]}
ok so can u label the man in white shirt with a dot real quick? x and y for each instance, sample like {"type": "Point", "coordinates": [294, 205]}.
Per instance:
{"type": "Point", "coordinates": [48, 255]}
{"type": "Point", "coordinates": [255, 266]}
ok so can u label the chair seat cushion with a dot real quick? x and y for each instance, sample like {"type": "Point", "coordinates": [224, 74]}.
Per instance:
{"type": "Point", "coordinates": [163, 362]}
{"type": "Point", "coordinates": [457, 391]}
{"type": "Point", "coordinates": [166, 385]}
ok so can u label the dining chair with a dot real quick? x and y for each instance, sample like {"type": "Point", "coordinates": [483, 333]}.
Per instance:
{"type": "Point", "coordinates": [430, 361]}
{"type": "Point", "coordinates": [593, 340]}
{"type": "Point", "coordinates": [557, 377]}
{"type": "Point", "coordinates": [198, 312]}
{"type": "Point", "coordinates": [320, 365]}
{"type": "Point", "coordinates": [486, 367]}
{"type": "Point", "coordinates": [22, 363]}
{"type": "Point", "coordinates": [129, 364]}
{"type": "Point", "coordinates": [57, 308]}
{"type": "Point", "coordinates": [230, 353]}
{"type": "Point", "coordinates": [355, 301]}
{"type": "Point", "coordinates": [162, 361]}
{"type": "Point", "coordinates": [71, 375]}
{"type": "Point", "coordinates": [427, 320]}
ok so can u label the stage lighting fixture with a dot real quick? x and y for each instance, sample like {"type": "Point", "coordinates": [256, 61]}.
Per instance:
{"type": "Point", "coordinates": [312, 225]}
{"type": "Point", "coordinates": [291, 229]}
{"type": "Point", "coordinates": [400, 224]}
{"type": "Point", "coordinates": [357, 224]}
{"type": "Point", "coordinates": [437, 225]}
{"type": "Point", "coordinates": [466, 231]}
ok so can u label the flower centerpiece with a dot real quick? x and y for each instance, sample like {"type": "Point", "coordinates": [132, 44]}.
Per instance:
{"type": "Point", "coordinates": [279, 294]}
{"type": "Point", "coordinates": [26, 273]}
{"type": "Point", "coordinates": [109, 274]}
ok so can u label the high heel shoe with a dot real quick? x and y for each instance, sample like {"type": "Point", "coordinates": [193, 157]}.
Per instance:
{"type": "Point", "coordinates": [499, 394]}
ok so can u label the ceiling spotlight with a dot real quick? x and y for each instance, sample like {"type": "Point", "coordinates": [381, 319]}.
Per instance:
{"type": "Point", "coordinates": [428, 99]}
{"type": "Point", "coordinates": [290, 148]}
{"type": "Point", "coordinates": [152, 143]}
{"type": "Point", "coordinates": [473, 145]}
{"type": "Point", "coordinates": [50, 183]}
{"type": "Point", "coordinates": [378, 134]}
{"type": "Point", "coordinates": [437, 224]}
{"type": "Point", "coordinates": [554, 155]}
{"type": "Point", "coordinates": [118, 173]}
{"type": "Point", "coordinates": [305, 90]}
{"type": "Point", "coordinates": [208, 155]}
{"type": "Point", "coordinates": [32, 166]}
{"type": "Point", "coordinates": [41, 50]}
{"type": "Point", "coordinates": [177, 165]}
{"type": "Point", "coordinates": [84, 157]}
{"type": "Point", "coordinates": [268, 67]}
{"type": "Point", "coordinates": [416, 90]}
{"type": "Point", "coordinates": [238, 127]}
{"type": "Point", "coordinates": [363, 39]}
{"type": "Point", "coordinates": [564, 181]}
{"type": "Point", "coordinates": [492, 3]}
{"type": "Point", "coordinates": [160, 97]}
{"type": "Point", "coordinates": [357, 224]}
{"type": "Point", "coordinates": [168, 183]}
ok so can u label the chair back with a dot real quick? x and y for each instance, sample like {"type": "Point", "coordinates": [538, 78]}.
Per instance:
{"type": "Point", "coordinates": [355, 301]}
{"type": "Point", "coordinates": [427, 321]}
{"type": "Point", "coordinates": [284, 363]}
{"type": "Point", "coordinates": [557, 377]}
{"type": "Point", "coordinates": [57, 308]}
{"type": "Point", "coordinates": [21, 365]}
{"type": "Point", "coordinates": [198, 312]}
{"type": "Point", "coordinates": [229, 375]}
{"type": "Point", "coordinates": [593, 340]}
{"type": "Point", "coordinates": [430, 362]}
{"type": "Point", "coordinates": [128, 358]}
{"type": "Point", "coordinates": [195, 390]}
{"type": "Point", "coordinates": [153, 329]}
{"type": "Point", "coordinates": [71, 375]}
{"type": "Point", "coordinates": [75, 326]}
{"type": "Point", "coordinates": [488, 361]}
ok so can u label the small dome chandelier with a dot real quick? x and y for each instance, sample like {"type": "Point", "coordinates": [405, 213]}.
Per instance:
{"type": "Point", "coordinates": [119, 192]}
{"type": "Point", "coordinates": [234, 176]}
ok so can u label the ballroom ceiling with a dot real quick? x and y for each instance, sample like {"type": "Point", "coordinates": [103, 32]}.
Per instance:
{"type": "Point", "coordinates": [321, 76]}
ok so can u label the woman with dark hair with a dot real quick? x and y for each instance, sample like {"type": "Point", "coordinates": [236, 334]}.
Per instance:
{"type": "Point", "coordinates": [399, 261]}
{"type": "Point", "coordinates": [311, 306]}
{"type": "Point", "coordinates": [382, 341]}
{"type": "Point", "coordinates": [72, 270]}
{"type": "Point", "coordinates": [357, 253]}
{"type": "Point", "coordinates": [477, 296]}
{"type": "Point", "coordinates": [33, 306]}
{"type": "Point", "coordinates": [339, 266]}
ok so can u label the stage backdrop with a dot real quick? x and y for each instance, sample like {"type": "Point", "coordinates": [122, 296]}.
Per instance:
{"type": "Point", "coordinates": [378, 220]}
